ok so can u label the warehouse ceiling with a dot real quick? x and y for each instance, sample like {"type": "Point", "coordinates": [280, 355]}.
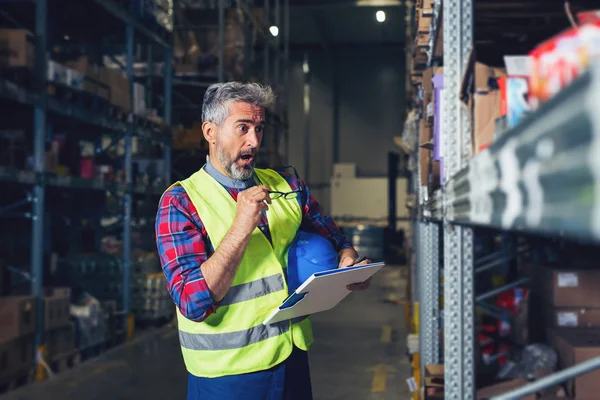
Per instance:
{"type": "Point", "coordinates": [346, 22]}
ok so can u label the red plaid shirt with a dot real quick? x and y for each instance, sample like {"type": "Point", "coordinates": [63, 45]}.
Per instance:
{"type": "Point", "coordinates": [183, 243]}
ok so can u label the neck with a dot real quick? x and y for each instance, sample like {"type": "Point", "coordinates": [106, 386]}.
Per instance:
{"type": "Point", "coordinates": [214, 161]}
{"type": "Point", "coordinates": [216, 170]}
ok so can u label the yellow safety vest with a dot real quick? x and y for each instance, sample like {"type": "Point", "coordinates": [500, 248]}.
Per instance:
{"type": "Point", "coordinates": [233, 340]}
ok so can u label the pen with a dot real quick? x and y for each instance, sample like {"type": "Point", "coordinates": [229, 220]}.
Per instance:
{"type": "Point", "coordinates": [359, 259]}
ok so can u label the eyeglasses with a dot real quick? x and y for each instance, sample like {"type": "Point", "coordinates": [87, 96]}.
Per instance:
{"type": "Point", "coordinates": [286, 195]}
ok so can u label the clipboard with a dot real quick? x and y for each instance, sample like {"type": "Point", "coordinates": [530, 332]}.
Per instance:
{"type": "Point", "coordinates": [321, 292]}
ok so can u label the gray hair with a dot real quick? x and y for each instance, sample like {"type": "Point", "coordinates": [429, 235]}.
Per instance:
{"type": "Point", "coordinates": [219, 96]}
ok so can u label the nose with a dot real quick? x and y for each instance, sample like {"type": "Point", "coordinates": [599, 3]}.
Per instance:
{"type": "Point", "coordinates": [252, 139]}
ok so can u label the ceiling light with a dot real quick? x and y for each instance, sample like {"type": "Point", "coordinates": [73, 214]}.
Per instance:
{"type": "Point", "coordinates": [380, 16]}
{"type": "Point", "coordinates": [274, 30]}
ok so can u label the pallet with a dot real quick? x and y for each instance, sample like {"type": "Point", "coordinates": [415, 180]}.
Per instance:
{"type": "Point", "coordinates": [65, 361]}
{"type": "Point", "coordinates": [20, 379]}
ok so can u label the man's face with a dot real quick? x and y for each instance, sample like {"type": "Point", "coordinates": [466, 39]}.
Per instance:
{"type": "Point", "coordinates": [238, 139]}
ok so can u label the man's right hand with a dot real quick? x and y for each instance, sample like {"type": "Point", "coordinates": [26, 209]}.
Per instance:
{"type": "Point", "coordinates": [250, 205]}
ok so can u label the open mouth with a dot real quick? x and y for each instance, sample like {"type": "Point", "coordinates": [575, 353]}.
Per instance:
{"type": "Point", "coordinates": [247, 158]}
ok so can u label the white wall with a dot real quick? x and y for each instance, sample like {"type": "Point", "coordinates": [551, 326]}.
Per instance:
{"type": "Point", "coordinates": [370, 114]}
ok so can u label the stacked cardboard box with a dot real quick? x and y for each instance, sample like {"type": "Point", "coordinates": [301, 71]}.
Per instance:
{"type": "Point", "coordinates": [483, 99]}
{"type": "Point", "coordinates": [151, 299]}
{"type": "Point", "coordinates": [95, 78]}
{"type": "Point", "coordinates": [433, 387]}
{"type": "Point", "coordinates": [17, 49]}
{"type": "Point", "coordinates": [120, 92]}
{"type": "Point", "coordinates": [573, 298]}
{"type": "Point", "coordinates": [192, 138]}
{"type": "Point", "coordinates": [572, 314]}
{"type": "Point", "coordinates": [59, 330]}
{"type": "Point", "coordinates": [17, 319]}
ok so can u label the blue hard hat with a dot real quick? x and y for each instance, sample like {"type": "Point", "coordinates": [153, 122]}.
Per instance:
{"type": "Point", "coordinates": [309, 253]}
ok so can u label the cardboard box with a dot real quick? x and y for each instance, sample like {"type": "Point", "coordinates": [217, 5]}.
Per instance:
{"type": "Point", "coordinates": [425, 161]}
{"type": "Point", "coordinates": [61, 340]}
{"type": "Point", "coordinates": [575, 346]}
{"type": "Point", "coordinates": [92, 75]}
{"type": "Point", "coordinates": [573, 288]}
{"type": "Point", "coordinates": [344, 171]}
{"type": "Point", "coordinates": [563, 317]}
{"type": "Point", "coordinates": [17, 317]}
{"type": "Point", "coordinates": [139, 99]}
{"type": "Point", "coordinates": [17, 48]}
{"type": "Point", "coordinates": [57, 308]}
{"type": "Point", "coordinates": [16, 356]}
{"type": "Point", "coordinates": [483, 74]}
{"type": "Point", "coordinates": [486, 108]}
{"type": "Point", "coordinates": [501, 388]}
{"type": "Point", "coordinates": [189, 139]}
{"type": "Point", "coordinates": [120, 93]}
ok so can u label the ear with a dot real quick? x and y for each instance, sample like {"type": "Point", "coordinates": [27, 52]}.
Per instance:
{"type": "Point", "coordinates": [209, 130]}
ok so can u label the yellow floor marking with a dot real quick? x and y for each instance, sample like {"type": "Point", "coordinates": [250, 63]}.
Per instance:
{"type": "Point", "coordinates": [386, 334]}
{"type": "Point", "coordinates": [380, 374]}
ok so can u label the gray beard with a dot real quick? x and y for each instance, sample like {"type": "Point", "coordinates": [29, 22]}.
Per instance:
{"type": "Point", "coordinates": [235, 171]}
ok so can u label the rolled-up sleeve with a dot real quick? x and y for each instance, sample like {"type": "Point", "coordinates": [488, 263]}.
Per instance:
{"type": "Point", "coordinates": [182, 248]}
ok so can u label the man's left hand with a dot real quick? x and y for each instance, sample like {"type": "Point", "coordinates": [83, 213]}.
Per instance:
{"type": "Point", "coordinates": [347, 261]}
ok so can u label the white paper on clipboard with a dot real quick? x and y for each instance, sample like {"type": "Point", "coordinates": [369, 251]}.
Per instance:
{"type": "Point", "coordinates": [321, 292]}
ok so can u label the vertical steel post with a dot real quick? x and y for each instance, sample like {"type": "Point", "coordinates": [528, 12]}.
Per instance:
{"type": "Point", "coordinates": [128, 182]}
{"type": "Point", "coordinates": [286, 75]}
{"type": "Point", "coordinates": [168, 73]}
{"type": "Point", "coordinates": [458, 270]}
{"type": "Point", "coordinates": [278, 57]}
{"type": "Point", "coordinates": [38, 198]}
{"type": "Point", "coordinates": [267, 51]}
{"type": "Point", "coordinates": [306, 107]}
{"type": "Point", "coordinates": [221, 40]}
{"type": "Point", "coordinates": [429, 282]}
{"type": "Point", "coordinates": [150, 76]}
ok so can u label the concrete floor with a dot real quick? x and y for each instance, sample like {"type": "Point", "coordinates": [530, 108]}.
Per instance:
{"type": "Point", "coordinates": [359, 353]}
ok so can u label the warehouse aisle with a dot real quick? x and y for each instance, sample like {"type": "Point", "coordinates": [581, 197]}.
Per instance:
{"type": "Point", "coordinates": [359, 354]}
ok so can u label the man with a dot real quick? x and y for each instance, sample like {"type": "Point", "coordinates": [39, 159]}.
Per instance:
{"type": "Point", "coordinates": [225, 275]}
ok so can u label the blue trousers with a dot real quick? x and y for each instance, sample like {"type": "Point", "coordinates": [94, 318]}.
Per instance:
{"type": "Point", "coordinates": [289, 380]}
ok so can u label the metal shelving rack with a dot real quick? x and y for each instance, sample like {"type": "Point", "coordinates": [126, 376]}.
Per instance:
{"type": "Point", "coordinates": [533, 179]}
{"type": "Point", "coordinates": [266, 61]}
{"type": "Point", "coordinates": [47, 108]}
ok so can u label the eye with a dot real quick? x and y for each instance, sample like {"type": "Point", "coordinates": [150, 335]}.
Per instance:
{"type": "Point", "coordinates": [243, 128]}
{"type": "Point", "coordinates": [258, 129]}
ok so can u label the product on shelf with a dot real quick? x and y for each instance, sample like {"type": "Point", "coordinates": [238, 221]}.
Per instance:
{"type": "Point", "coordinates": [17, 317]}
{"type": "Point", "coordinates": [18, 48]}
{"type": "Point", "coordinates": [60, 341]}
{"type": "Point", "coordinates": [120, 94]}
{"type": "Point", "coordinates": [16, 358]}
{"type": "Point", "coordinates": [486, 104]}
{"type": "Point", "coordinates": [56, 308]}
{"type": "Point", "coordinates": [433, 387]}
{"type": "Point", "coordinates": [558, 61]}
{"type": "Point", "coordinates": [90, 323]}
{"type": "Point", "coordinates": [575, 346]}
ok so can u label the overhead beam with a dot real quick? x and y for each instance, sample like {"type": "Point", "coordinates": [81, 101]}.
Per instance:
{"type": "Point", "coordinates": [346, 4]}
{"type": "Point", "coordinates": [349, 44]}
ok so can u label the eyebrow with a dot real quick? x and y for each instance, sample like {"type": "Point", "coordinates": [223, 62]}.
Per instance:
{"type": "Point", "coordinates": [250, 121]}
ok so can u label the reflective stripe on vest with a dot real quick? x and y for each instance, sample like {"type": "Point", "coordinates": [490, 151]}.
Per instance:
{"type": "Point", "coordinates": [232, 340]}
{"type": "Point", "coordinates": [252, 290]}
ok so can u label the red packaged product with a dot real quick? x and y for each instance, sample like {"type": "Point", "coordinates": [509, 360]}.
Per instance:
{"type": "Point", "coordinates": [558, 61]}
